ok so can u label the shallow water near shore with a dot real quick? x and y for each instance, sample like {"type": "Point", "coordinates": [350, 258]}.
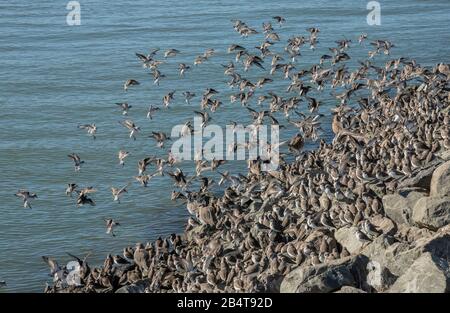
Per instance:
{"type": "Point", "coordinates": [54, 77]}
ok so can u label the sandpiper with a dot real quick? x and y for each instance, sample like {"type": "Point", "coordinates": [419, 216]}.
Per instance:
{"type": "Point", "coordinates": [131, 127]}
{"type": "Point", "coordinates": [129, 83]}
{"type": "Point", "coordinates": [90, 128]}
{"type": "Point", "coordinates": [118, 192]}
{"type": "Point", "coordinates": [76, 160]}
{"type": "Point", "coordinates": [151, 110]}
{"type": "Point", "coordinates": [124, 106]}
{"type": "Point", "coordinates": [122, 156]}
{"type": "Point", "coordinates": [26, 197]}
{"type": "Point", "coordinates": [110, 224]}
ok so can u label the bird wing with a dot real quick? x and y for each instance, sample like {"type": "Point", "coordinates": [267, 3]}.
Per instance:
{"type": "Point", "coordinates": [54, 267]}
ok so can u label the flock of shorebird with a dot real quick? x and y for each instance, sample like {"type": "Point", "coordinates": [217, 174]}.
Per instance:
{"type": "Point", "coordinates": [390, 120]}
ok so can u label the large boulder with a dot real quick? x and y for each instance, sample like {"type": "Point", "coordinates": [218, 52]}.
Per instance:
{"type": "Point", "coordinates": [329, 277]}
{"type": "Point", "coordinates": [398, 256]}
{"type": "Point", "coordinates": [395, 256]}
{"type": "Point", "coordinates": [399, 206]}
{"type": "Point", "coordinates": [428, 274]}
{"type": "Point", "coordinates": [432, 212]}
{"type": "Point", "coordinates": [440, 182]}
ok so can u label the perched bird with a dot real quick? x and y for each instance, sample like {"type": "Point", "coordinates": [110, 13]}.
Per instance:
{"type": "Point", "coordinates": [361, 236]}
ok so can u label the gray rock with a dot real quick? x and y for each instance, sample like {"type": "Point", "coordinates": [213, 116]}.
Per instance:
{"type": "Point", "coordinates": [329, 277]}
{"type": "Point", "coordinates": [349, 289]}
{"type": "Point", "coordinates": [440, 182]}
{"type": "Point", "coordinates": [428, 274]}
{"type": "Point", "coordinates": [432, 212]}
{"type": "Point", "coordinates": [345, 236]}
{"type": "Point", "coordinates": [399, 206]}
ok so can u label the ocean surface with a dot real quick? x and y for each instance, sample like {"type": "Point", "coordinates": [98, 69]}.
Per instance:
{"type": "Point", "coordinates": [54, 77]}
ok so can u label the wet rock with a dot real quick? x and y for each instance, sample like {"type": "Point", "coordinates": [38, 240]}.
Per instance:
{"type": "Point", "coordinates": [432, 212]}
{"type": "Point", "coordinates": [329, 277]}
{"type": "Point", "coordinates": [345, 236]}
{"type": "Point", "coordinates": [428, 274]}
{"type": "Point", "coordinates": [399, 206]}
{"type": "Point", "coordinates": [440, 182]}
{"type": "Point", "coordinates": [349, 289]}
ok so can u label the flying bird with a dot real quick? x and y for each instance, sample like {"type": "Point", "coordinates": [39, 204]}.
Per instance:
{"type": "Point", "coordinates": [26, 197]}
{"type": "Point", "coordinates": [76, 160]}
{"type": "Point", "coordinates": [129, 83]}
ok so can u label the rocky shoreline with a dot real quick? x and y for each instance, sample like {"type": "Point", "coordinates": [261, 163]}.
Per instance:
{"type": "Point", "coordinates": [367, 212]}
{"type": "Point", "coordinates": [410, 253]}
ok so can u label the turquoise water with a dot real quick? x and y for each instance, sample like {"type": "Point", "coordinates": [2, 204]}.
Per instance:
{"type": "Point", "coordinates": [54, 77]}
